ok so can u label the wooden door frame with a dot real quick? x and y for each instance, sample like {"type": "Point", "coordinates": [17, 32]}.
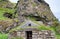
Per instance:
{"type": "Point", "coordinates": [28, 33]}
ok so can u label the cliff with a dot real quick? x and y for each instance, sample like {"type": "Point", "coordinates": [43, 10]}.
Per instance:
{"type": "Point", "coordinates": [38, 10]}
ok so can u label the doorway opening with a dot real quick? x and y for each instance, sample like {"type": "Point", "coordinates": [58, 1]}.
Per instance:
{"type": "Point", "coordinates": [29, 34]}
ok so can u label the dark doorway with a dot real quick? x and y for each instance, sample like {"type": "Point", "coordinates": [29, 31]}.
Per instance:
{"type": "Point", "coordinates": [29, 34]}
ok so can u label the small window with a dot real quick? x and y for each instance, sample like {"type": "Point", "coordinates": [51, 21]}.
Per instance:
{"type": "Point", "coordinates": [29, 25]}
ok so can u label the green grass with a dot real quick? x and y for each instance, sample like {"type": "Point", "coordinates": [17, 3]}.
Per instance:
{"type": "Point", "coordinates": [3, 36]}
{"type": "Point", "coordinates": [57, 36]}
{"type": "Point", "coordinates": [45, 28]}
{"type": "Point", "coordinates": [3, 10]}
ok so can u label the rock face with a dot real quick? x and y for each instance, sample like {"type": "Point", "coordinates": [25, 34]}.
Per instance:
{"type": "Point", "coordinates": [38, 9]}
{"type": "Point", "coordinates": [6, 4]}
{"type": "Point", "coordinates": [7, 25]}
{"type": "Point", "coordinates": [8, 15]}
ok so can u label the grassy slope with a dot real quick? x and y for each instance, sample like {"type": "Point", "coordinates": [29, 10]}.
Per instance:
{"type": "Point", "coordinates": [3, 10]}
{"type": "Point", "coordinates": [3, 36]}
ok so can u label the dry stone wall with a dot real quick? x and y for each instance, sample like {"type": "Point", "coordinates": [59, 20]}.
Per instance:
{"type": "Point", "coordinates": [45, 34]}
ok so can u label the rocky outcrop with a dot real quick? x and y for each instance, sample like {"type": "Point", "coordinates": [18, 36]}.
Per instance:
{"type": "Point", "coordinates": [7, 25]}
{"type": "Point", "coordinates": [37, 8]}
{"type": "Point", "coordinates": [8, 15]}
{"type": "Point", "coordinates": [6, 4]}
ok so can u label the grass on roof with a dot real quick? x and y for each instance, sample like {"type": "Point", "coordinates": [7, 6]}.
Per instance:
{"type": "Point", "coordinates": [41, 27]}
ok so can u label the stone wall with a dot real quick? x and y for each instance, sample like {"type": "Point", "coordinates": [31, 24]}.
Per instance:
{"type": "Point", "coordinates": [45, 34]}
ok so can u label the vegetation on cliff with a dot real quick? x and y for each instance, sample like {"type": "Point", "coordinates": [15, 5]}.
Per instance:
{"type": "Point", "coordinates": [8, 7]}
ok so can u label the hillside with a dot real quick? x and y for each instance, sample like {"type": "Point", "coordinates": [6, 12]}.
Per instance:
{"type": "Point", "coordinates": [6, 7]}
{"type": "Point", "coordinates": [6, 4]}
{"type": "Point", "coordinates": [36, 11]}
{"type": "Point", "coordinates": [6, 14]}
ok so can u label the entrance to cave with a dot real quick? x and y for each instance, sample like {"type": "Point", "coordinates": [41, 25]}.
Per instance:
{"type": "Point", "coordinates": [29, 34]}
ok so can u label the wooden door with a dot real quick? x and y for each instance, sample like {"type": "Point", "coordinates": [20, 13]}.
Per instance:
{"type": "Point", "coordinates": [29, 34]}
